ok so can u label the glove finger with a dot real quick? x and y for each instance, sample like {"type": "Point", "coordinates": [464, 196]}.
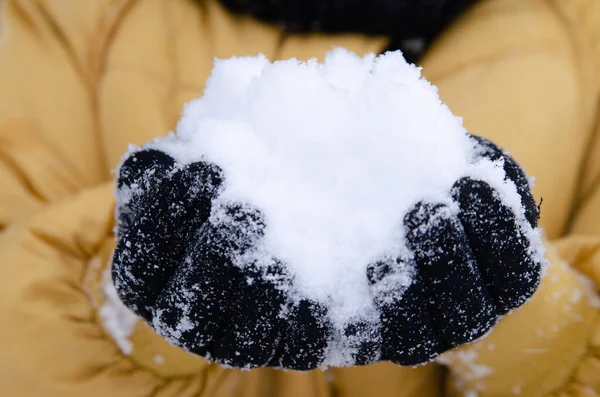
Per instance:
{"type": "Point", "coordinates": [147, 255]}
{"type": "Point", "coordinates": [461, 308]}
{"type": "Point", "coordinates": [140, 177]}
{"type": "Point", "coordinates": [304, 337]}
{"type": "Point", "coordinates": [515, 174]}
{"type": "Point", "coordinates": [189, 309]}
{"type": "Point", "coordinates": [408, 334]}
{"type": "Point", "coordinates": [511, 273]}
{"type": "Point", "coordinates": [250, 333]}
{"type": "Point", "coordinates": [364, 340]}
{"type": "Point", "coordinates": [197, 306]}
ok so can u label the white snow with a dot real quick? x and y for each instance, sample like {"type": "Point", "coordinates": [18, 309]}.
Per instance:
{"type": "Point", "coordinates": [333, 155]}
{"type": "Point", "coordinates": [472, 370]}
{"type": "Point", "coordinates": [589, 290]}
{"type": "Point", "coordinates": [535, 351]}
{"type": "Point", "coordinates": [117, 319]}
{"type": "Point", "coordinates": [517, 389]}
{"type": "Point", "coordinates": [576, 296]}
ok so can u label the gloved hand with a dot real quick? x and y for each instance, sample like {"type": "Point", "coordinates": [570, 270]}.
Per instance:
{"type": "Point", "coordinates": [174, 267]}
{"type": "Point", "coordinates": [180, 264]}
{"type": "Point", "coordinates": [472, 267]}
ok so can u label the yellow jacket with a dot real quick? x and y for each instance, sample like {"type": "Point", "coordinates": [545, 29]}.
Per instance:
{"type": "Point", "coordinates": [80, 79]}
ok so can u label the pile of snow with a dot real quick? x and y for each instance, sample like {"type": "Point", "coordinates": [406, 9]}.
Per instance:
{"type": "Point", "coordinates": [334, 154]}
{"type": "Point", "coordinates": [116, 318]}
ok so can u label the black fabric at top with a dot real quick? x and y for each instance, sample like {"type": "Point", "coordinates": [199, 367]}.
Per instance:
{"type": "Point", "coordinates": [411, 24]}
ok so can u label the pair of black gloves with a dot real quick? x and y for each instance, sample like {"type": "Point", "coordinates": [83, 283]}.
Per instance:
{"type": "Point", "coordinates": [175, 269]}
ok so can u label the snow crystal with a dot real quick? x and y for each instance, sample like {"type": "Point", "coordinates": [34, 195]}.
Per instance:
{"type": "Point", "coordinates": [517, 389]}
{"type": "Point", "coordinates": [117, 319]}
{"type": "Point", "coordinates": [158, 359]}
{"type": "Point", "coordinates": [589, 290]}
{"type": "Point", "coordinates": [470, 369]}
{"type": "Point", "coordinates": [576, 296]}
{"type": "Point", "coordinates": [333, 154]}
{"type": "Point", "coordinates": [535, 351]}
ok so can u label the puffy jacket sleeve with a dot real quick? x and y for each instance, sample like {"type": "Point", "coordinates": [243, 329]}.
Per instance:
{"type": "Point", "coordinates": [50, 56]}
{"type": "Point", "coordinates": [58, 316]}
{"type": "Point", "coordinates": [525, 74]}
{"type": "Point", "coordinates": [56, 212]}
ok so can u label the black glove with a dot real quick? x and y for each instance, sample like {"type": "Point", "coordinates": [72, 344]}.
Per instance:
{"type": "Point", "coordinates": [174, 266]}
{"type": "Point", "coordinates": [470, 268]}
